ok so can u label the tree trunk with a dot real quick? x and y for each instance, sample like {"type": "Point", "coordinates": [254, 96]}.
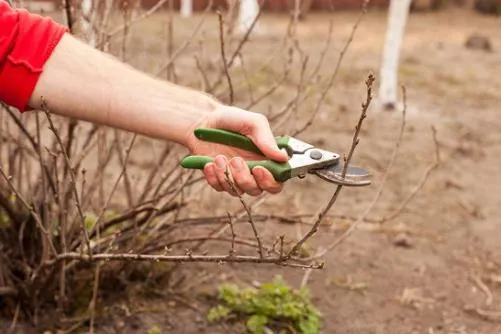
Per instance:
{"type": "Point", "coordinates": [186, 8]}
{"type": "Point", "coordinates": [305, 9]}
{"type": "Point", "coordinates": [88, 31]}
{"type": "Point", "coordinates": [248, 12]}
{"type": "Point", "coordinates": [397, 19]}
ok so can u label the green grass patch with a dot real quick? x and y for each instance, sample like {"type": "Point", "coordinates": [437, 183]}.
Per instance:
{"type": "Point", "coordinates": [273, 304]}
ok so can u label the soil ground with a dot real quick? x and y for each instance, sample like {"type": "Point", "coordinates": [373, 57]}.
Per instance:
{"type": "Point", "coordinates": [444, 276]}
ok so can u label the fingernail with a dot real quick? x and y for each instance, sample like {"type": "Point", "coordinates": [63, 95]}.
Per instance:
{"type": "Point", "coordinates": [209, 169]}
{"type": "Point", "coordinates": [237, 163]}
{"type": "Point", "coordinates": [220, 162]}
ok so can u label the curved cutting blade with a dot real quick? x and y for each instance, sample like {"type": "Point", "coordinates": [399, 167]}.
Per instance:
{"type": "Point", "coordinates": [355, 176]}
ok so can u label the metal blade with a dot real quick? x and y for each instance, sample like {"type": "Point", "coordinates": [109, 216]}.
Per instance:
{"type": "Point", "coordinates": [355, 176]}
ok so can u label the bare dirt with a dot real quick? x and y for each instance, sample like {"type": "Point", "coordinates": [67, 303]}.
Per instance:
{"type": "Point", "coordinates": [432, 269]}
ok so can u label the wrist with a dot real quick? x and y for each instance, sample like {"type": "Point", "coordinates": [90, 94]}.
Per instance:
{"type": "Point", "coordinates": [201, 110]}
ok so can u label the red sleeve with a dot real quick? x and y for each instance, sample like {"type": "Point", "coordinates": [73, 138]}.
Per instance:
{"type": "Point", "coordinates": [26, 42]}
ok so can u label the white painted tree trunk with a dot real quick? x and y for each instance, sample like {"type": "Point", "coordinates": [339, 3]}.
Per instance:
{"type": "Point", "coordinates": [249, 9]}
{"type": "Point", "coordinates": [186, 8]}
{"type": "Point", "coordinates": [89, 32]}
{"type": "Point", "coordinates": [397, 19]}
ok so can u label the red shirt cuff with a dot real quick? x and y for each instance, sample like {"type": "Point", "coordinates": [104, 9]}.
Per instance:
{"type": "Point", "coordinates": [26, 42]}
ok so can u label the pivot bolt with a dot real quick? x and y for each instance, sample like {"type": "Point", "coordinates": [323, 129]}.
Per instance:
{"type": "Point", "coordinates": [316, 155]}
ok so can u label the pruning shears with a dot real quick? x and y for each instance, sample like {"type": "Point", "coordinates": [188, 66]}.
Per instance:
{"type": "Point", "coordinates": [304, 159]}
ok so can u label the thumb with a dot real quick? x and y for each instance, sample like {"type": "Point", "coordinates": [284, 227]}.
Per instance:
{"type": "Point", "coordinates": [265, 141]}
{"type": "Point", "coordinates": [253, 125]}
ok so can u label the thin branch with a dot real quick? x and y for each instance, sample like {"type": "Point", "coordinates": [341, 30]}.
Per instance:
{"type": "Point", "coordinates": [237, 51]}
{"type": "Point", "coordinates": [336, 69]}
{"type": "Point", "coordinates": [365, 106]}
{"type": "Point", "coordinates": [247, 81]}
{"type": "Point", "coordinates": [178, 258]}
{"type": "Point", "coordinates": [72, 176]}
{"type": "Point", "coordinates": [71, 135]}
{"type": "Point", "coordinates": [112, 192]}
{"type": "Point", "coordinates": [68, 15]}
{"type": "Point", "coordinates": [312, 77]}
{"type": "Point", "coordinates": [296, 101]}
{"type": "Point", "coordinates": [219, 231]}
{"type": "Point", "coordinates": [133, 213]}
{"type": "Point", "coordinates": [102, 162]}
{"type": "Point", "coordinates": [488, 294]}
{"type": "Point", "coordinates": [421, 182]}
{"type": "Point", "coordinates": [32, 141]}
{"type": "Point", "coordinates": [167, 203]}
{"type": "Point", "coordinates": [126, 179]}
{"type": "Point", "coordinates": [282, 237]}
{"type": "Point", "coordinates": [146, 14]}
{"type": "Point", "coordinates": [168, 175]}
{"type": "Point", "coordinates": [233, 235]}
{"type": "Point", "coordinates": [326, 48]}
{"type": "Point", "coordinates": [233, 241]}
{"type": "Point", "coordinates": [15, 318]}
{"type": "Point", "coordinates": [223, 55]}
{"type": "Point", "coordinates": [362, 217]}
{"type": "Point", "coordinates": [247, 209]}
{"type": "Point", "coordinates": [171, 76]}
{"type": "Point", "coordinates": [245, 38]}
{"type": "Point", "coordinates": [93, 302]}
{"type": "Point", "coordinates": [154, 171]}
{"type": "Point", "coordinates": [179, 51]}
{"type": "Point", "coordinates": [63, 228]}
{"type": "Point", "coordinates": [44, 183]}
{"type": "Point", "coordinates": [203, 74]}
{"type": "Point", "coordinates": [263, 67]}
{"type": "Point", "coordinates": [293, 219]}
{"type": "Point", "coordinates": [30, 209]}
{"type": "Point", "coordinates": [90, 135]}
{"type": "Point", "coordinates": [8, 291]}
{"type": "Point", "coordinates": [270, 90]}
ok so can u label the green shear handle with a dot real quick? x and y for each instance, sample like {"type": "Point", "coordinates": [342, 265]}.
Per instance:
{"type": "Point", "coordinates": [280, 171]}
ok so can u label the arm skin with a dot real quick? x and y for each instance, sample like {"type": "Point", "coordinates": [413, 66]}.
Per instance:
{"type": "Point", "coordinates": [83, 83]}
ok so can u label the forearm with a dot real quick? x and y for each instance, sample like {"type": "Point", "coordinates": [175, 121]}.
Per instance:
{"type": "Point", "coordinates": [39, 62]}
{"type": "Point", "coordinates": [83, 83]}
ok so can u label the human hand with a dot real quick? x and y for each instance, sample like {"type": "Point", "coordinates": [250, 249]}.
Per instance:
{"type": "Point", "coordinates": [256, 127]}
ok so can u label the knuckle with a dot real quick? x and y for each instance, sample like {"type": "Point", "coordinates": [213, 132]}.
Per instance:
{"type": "Point", "coordinates": [216, 187]}
{"type": "Point", "coordinates": [221, 176]}
{"type": "Point", "coordinates": [274, 188]}
{"type": "Point", "coordinates": [262, 119]}
{"type": "Point", "coordinates": [212, 181]}
{"type": "Point", "coordinates": [255, 192]}
{"type": "Point", "coordinates": [247, 128]}
{"type": "Point", "coordinates": [246, 183]}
